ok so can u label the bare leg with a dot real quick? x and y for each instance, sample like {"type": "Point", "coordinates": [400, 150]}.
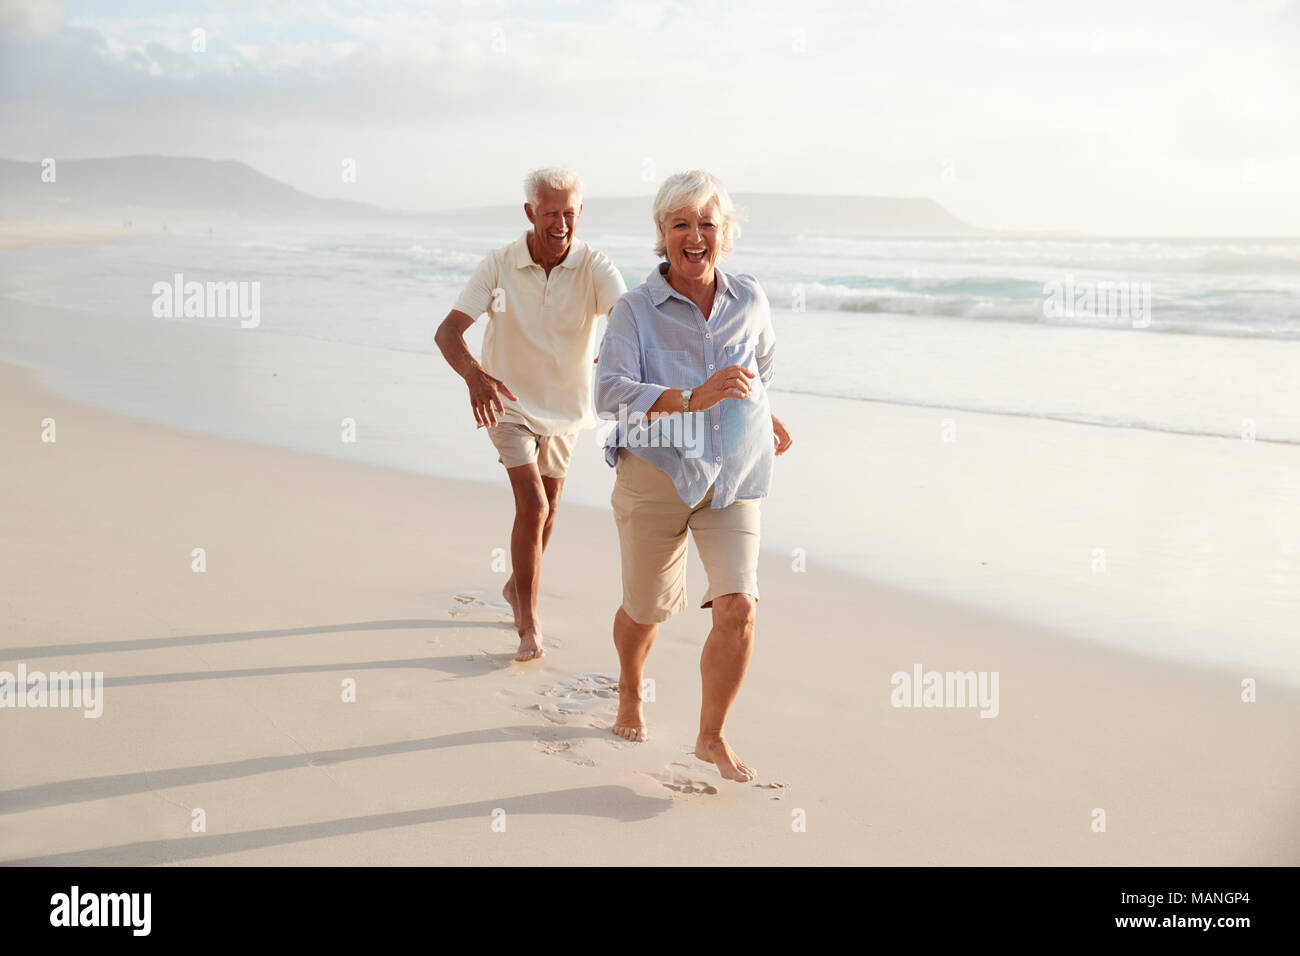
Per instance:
{"type": "Point", "coordinates": [532, 509]}
{"type": "Point", "coordinates": [722, 669]}
{"type": "Point", "coordinates": [553, 487]}
{"type": "Point", "coordinates": [633, 642]}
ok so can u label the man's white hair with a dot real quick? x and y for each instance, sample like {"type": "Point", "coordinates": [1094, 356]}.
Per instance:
{"type": "Point", "coordinates": [557, 177]}
{"type": "Point", "coordinates": [692, 190]}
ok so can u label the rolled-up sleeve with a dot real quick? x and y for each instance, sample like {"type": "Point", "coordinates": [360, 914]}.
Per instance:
{"type": "Point", "coordinates": [619, 368]}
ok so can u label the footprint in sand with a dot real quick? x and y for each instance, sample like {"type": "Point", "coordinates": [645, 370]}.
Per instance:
{"type": "Point", "coordinates": [566, 749]}
{"type": "Point", "coordinates": [573, 698]}
{"type": "Point", "coordinates": [591, 693]}
{"type": "Point", "coordinates": [465, 602]}
{"type": "Point", "coordinates": [549, 711]}
{"type": "Point", "coordinates": [676, 778]}
{"type": "Point", "coordinates": [468, 601]}
{"type": "Point", "coordinates": [553, 742]}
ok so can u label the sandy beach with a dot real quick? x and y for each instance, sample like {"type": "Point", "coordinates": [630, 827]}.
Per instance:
{"type": "Point", "coordinates": [25, 233]}
{"type": "Point", "coordinates": [986, 359]}
{"type": "Point", "coordinates": [223, 691]}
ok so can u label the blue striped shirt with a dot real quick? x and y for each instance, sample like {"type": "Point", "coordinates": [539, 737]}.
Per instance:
{"type": "Point", "coordinates": [658, 339]}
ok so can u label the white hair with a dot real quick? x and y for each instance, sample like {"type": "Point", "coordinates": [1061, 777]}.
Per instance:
{"type": "Point", "coordinates": [693, 190]}
{"type": "Point", "coordinates": [557, 177]}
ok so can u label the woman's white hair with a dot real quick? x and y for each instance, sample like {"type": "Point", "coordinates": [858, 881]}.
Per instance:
{"type": "Point", "coordinates": [557, 177]}
{"type": "Point", "coordinates": [692, 190]}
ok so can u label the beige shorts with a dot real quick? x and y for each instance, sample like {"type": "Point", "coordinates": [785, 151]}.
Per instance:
{"type": "Point", "coordinates": [519, 445]}
{"type": "Point", "coordinates": [652, 520]}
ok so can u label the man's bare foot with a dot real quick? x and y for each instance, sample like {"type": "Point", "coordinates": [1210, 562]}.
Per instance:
{"type": "Point", "coordinates": [630, 723]}
{"type": "Point", "coordinates": [508, 592]}
{"type": "Point", "coordinates": [530, 644]}
{"type": "Point", "coordinates": [715, 750]}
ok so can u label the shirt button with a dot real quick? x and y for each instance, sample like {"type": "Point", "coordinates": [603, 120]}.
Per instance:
{"type": "Point", "coordinates": [708, 335]}
{"type": "Point", "coordinates": [717, 459]}
{"type": "Point", "coordinates": [710, 366]}
{"type": "Point", "coordinates": [715, 428]}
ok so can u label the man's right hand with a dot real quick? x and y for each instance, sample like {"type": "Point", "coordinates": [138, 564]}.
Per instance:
{"type": "Point", "coordinates": [729, 382]}
{"type": "Point", "coordinates": [484, 397]}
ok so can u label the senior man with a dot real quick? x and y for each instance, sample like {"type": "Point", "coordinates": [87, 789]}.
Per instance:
{"type": "Point", "coordinates": [543, 295]}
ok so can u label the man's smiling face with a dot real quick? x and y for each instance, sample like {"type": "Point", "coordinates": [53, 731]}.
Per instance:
{"type": "Point", "coordinates": [554, 218]}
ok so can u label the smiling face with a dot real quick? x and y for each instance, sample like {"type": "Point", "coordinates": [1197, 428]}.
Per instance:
{"type": "Point", "coordinates": [554, 218]}
{"type": "Point", "coordinates": [693, 241]}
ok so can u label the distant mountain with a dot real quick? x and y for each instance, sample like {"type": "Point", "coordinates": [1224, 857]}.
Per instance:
{"type": "Point", "coordinates": [761, 214]}
{"type": "Point", "coordinates": [789, 214]}
{"type": "Point", "coordinates": [217, 190]}
{"type": "Point", "coordinates": [135, 185]}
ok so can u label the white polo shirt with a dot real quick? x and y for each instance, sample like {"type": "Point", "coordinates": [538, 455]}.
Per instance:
{"type": "Point", "coordinates": [541, 333]}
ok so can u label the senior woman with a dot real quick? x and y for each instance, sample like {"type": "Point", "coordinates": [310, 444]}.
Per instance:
{"type": "Point", "coordinates": [691, 340]}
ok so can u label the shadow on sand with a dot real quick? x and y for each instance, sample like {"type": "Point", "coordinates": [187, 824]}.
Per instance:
{"type": "Point", "coordinates": [187, 640]}
{"type": "Point", "coordinates": [610, 802]}
{"type": "Point", "coordinates": [117, 785]}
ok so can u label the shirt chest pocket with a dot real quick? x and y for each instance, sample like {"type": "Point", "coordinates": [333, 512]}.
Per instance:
{"type": "Point", "coordinates": [671, 367]}
{"type": "Point", "coordinates": [744, 354]}
{"type": "Point", "coordinates": [739, 353]}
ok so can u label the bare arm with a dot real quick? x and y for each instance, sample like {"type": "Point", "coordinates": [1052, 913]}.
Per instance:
{"type": "Point", "coordinates": [450, 339]}
{"type": "Point", "coordinates": [729, 382]}
{"type": "Point", "coordinates": [483, 388]}
{"type": "Point", "coordinates": [726, 383]}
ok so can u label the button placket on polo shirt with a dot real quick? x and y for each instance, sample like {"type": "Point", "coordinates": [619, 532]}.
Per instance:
{"type": "Point", "coordinates": [715, 413]}
{"type": "Point", "coordinates": [548, 309]}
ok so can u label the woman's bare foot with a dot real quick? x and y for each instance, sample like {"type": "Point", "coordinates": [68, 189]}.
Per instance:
{"type": "Point", "coordinates": [716, 751]}
{"type": "Point", "coordinates": [630, 723]}
{"type": "Point", "coordinates": [508, 592]}
{"type": "Point", "coordinates": [530, 644]}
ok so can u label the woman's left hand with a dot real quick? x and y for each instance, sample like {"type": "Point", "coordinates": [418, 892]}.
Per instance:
{"type": "Point", "coordinates": [780, 436]}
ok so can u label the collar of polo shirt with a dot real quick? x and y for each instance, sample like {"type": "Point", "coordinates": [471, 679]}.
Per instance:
{"type": "Point", "coordinates": [523, 258]}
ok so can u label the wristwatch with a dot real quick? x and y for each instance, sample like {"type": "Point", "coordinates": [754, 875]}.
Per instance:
{"type": "Point", "coordinates": [686, 400]}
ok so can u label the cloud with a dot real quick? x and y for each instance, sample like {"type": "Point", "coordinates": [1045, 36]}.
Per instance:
{"type": "Point", "coordinates": [39, 17]}
{"type": "Point", "coordinates": [1095, 106]}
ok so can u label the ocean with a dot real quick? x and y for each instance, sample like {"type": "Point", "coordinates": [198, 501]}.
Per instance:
{"type": "Point", "coordinates": [1165, 335]}
{"type": "Point", "coordinates": [975, 418]}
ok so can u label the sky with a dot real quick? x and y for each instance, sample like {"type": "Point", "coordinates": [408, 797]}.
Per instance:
{"type": "Point", "coordinates": [1138, 117]}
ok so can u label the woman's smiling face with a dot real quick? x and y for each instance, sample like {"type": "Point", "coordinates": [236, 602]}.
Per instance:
{"type": "Point", "coordinates": [693, 240]}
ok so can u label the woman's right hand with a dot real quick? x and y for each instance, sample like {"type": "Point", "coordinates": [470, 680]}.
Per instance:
{"type": "Point", "coordinates": [729, 382]}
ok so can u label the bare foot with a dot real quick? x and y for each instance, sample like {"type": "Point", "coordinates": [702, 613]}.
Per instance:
{"type": "Point", "coordinates": [715, 750]}
{"type": "Point", "coordinates": [630, 723]}
{"type": "Point", "coordinates": [530, 644]}
{"type": "Point", "coordinates": [508, 592]}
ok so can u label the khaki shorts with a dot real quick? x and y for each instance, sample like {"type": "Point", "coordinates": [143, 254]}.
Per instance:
{"type": "Point", "coordinates": [520, 445]}
{"type": "Point", "coordinates": [652, 520]}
